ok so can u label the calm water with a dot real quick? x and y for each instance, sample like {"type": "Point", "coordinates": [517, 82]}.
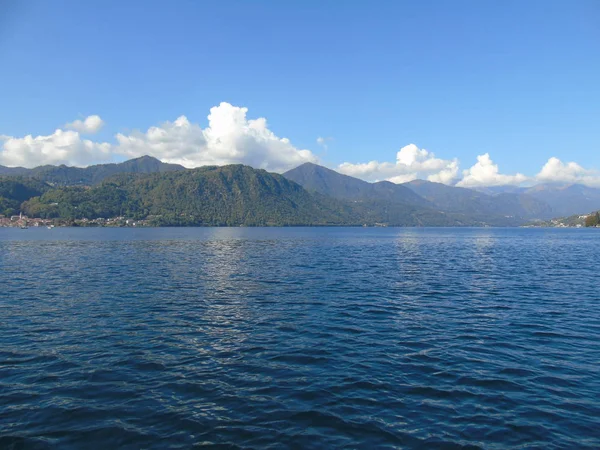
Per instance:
{"type": "Point", "coordinates": [302, 338]}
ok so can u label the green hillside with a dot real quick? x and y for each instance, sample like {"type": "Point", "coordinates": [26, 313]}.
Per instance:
{"type": "Point", "coordinates": [230, 195]}
{"type": "Point", "coordinates": [14, 191]}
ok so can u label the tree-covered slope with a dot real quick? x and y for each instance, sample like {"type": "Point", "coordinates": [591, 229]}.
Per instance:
{"type": "Point", "coordinates": [230, 195]}
{"type": "Point", "coordinates": [14, 191]}
{"type": "Point", "coordinates": [234, 195]}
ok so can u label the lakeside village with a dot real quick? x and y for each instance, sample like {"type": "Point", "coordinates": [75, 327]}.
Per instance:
{"type": "Point", "coordinates": [591, 220]}
{"type": "Point", "coordinates": [22, 221]}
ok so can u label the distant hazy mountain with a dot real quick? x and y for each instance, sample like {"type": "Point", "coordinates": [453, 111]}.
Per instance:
{"type": "Point", "coordinates": [564, 199]}
{"type": "Point", "coordinates": [68, 176]}
{"type": "Point", "coordinates": [469, 201]}
{"type": "Point", "coordinates": [329, 182]}
{"type": "Point", "coordinates": [567, 200]}
{"type": "Point", "coordinates": [494, 190]}
{"type": "Point", "coordinates": [419, 197]}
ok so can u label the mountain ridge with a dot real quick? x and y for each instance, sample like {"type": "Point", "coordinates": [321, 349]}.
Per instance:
{"type": "Point", "coordinates": [216, 196]}
{"type": "Point", "coordinates": [421, 194]}
{"type": "Point", "coordinates": [233, 195]}
{"type": "Point", "coordinates": [468, 201]}
{"type": "Point", "coordinates": [565, 199]}
{"type": "Point", "coordinates": [416, 203]}
{"type": "Point", "coordinates": [64, 175]}
{"type": "Point", "coordinates": [329, 182]}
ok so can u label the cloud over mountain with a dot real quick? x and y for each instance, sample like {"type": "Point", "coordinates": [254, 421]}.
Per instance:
{"type": "Point", "coordinates": [61, 147]}
{"type": "Point", "coordinates": [229, 138]}
{"type": "Point", "coordinates": [555, 171]}
{"type": "Point", "coordinates": [232, 138]}
{"type": "Point", "coordinates": [486, 173]}
{"type": "Point", "coordinates": [411, 163]}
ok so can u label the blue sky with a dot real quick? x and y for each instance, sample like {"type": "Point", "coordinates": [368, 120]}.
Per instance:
{"type": "Point", "coordinates": [518, 80]}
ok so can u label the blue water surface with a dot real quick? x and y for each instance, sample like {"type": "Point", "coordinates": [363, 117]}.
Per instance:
{"type": "Point", "coordinates": [299, 338]}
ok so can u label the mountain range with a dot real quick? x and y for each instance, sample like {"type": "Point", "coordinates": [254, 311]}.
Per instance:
{"type": "Point", "coordinates": [87, 176]}
{"type": "Point", "coordinates": [240, 195]}
{"type": "Point", "coordinates": [563, 199]}
{"type": "Point", "coordinates": [210, 196]}
{"type": "Point", "coordinates": [421, 193]}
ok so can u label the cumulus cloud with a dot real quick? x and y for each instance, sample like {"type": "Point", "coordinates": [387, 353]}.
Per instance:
{"type": "Point", "coordinates": [89, 125]}
{"type": "Point", "coordinates": [61, 147]}
{"type": "Point", "coordinates": [172, 141]}
{"type": "Point", "coordinates": [555, 171]}
{"type": "Point", "coordinates": [485, 173]}
{"type": "Point", "coordinates": [232, 138]}
{"type": "Point", "coordinates": [411, 163]}
{"type": "Point", "coordinates": [229, 138]}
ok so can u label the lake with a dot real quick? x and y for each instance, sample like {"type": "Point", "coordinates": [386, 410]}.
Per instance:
{"type": "Point", "coordinates": [299, 338]}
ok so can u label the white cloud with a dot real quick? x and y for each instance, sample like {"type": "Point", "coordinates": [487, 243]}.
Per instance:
{"type": "Point", "coordinates": [90, 125]}
{"type": "Point", "coordinates": [61, 147]}
{"type": "Point", "coordinates": [399, 179]}
{"type": "Point", "coordinates": [411, 163]}
{"type": "Point", "coordinates": [229, 138]}
{"type": "Point", "coordinates": [322, 141]}
{"type": "Point", "coordinates": [485, 173]}
{"type": "Point", "coordinates": [555, 171]}
{"type": "Point", "coordinates": [171, 141]}
{"type": "Point", "coordinates": [232, 138]}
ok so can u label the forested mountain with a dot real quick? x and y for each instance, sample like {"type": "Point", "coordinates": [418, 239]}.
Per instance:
{"type": "Point", "coordinates": [230, 195]}
{"type": "Point", "coordinates": [240, 195]}
{"type": "Point", "coordinates": [74, 176]}
{"type": "Point", "coordinates": [14, 191]}
{"type": "Point", "coordinates": [469, 201]}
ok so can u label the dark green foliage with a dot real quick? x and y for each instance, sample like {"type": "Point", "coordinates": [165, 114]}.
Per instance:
{"type": "Point", "coordinates": [14, 191]}
{"type": "Point", "coordinates": [593, 220]}
{"type": "Point", "coordinates": [231, 195]}
{"type": "Point", "coordinates": [78, 202]}
{"type": "Point", "coordinates": [239, 195]}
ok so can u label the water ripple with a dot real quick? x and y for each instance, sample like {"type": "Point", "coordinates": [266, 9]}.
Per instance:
{"type": "Point", "coordinates": [299, 338]}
